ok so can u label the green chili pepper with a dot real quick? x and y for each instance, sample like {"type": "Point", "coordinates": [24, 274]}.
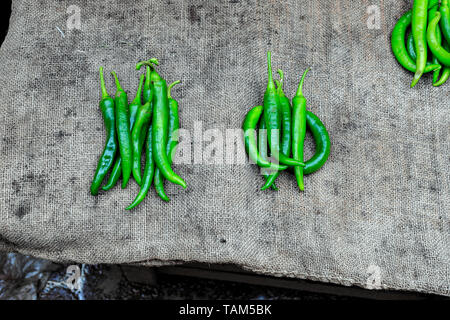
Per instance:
{"type": "Point", "coordinates": [322, 141]}
{"type": "Point", "coordinates": [148, 172]}
{"type": "Point", "coordinates": [435, 47]}
{"type": "Point", "coordinates": [398, 45]}
{"type": "Point", "coordinates": [299, 129]}
{"type": "Point", "coordinates": [142, 120]}
{"type": "Point", "coordinates": [445, 21]}
{"type": "Point", "coordinates": [445, 72]}
{"type": "Point", "coordinates": [116, 172]}
{"type": "Point", "coordinates": [286, 118]}
{"type": "Point", "coordinates": [262, 147]}
{"type": "Point", "coordinates": [272, 116]}
{"type": "Point", "coordinates": [419, 31]}
{"type": "Point", "coordinates": [172, 141]}
{"type": "Point", "coordinates": [160, 127]}
{"type": "Point", "coordinates": [148, 96]}
{"type": "Point", "coordinates": [106, 160]}
{"type": "Point", "coordinates": [410, 47]}
{"type": "Point", "coordinates": [249, 126]}
{"type": "Point", "coordinates": [123, 130]}
{"type": "Point", "coordinates": [433, 8]}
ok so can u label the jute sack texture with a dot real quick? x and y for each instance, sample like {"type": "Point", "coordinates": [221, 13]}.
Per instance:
{"type": "Point", "coordinates": [376, 215]}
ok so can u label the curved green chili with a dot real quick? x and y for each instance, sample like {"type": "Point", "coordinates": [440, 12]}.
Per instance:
{"type": "Point", "coordinates": [148, 172]}
{"type": "Point", "coordinates": [262, 147]}
{"type": "Point", "coordinates": [106, 160]}
{"type": "Point", "coordinates": [445, 21]}
{"type": "Point", "coordinates": [322, 141]}
{"type": "Point", "coordinates": [272, 116]}
{"type": "Point", "coordinates": [123, 130]}
{"type": "Point", "coordinates": [419, 31]}
{"type": "Point", "coordinates": [286, 118]}
{"type": "Point", "coordinates": [398, 45]}
{"type": "Point", "coordinates": [160, 126]}
{"type": "Point", "coordinates": [445, 72]}
{"type": "Point", "coordinates": [172, 141]}
{"type": "Point", "coordinates": [437, 49]}
{"type": "Point", "coordinates": [249, 127]}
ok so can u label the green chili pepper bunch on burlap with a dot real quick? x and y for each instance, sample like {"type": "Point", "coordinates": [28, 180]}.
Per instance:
{"type": "Point", "coordinates": [149, 122]}
{"type": "Point", "coordinates": [278, 144]}
{"type": "Point", "coordinates": [428, 24]}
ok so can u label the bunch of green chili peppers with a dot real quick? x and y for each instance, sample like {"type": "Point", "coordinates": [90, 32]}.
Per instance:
{"type": "Point", "coordinates": [428, 24]}
{"type": "Point", "coordinates": [150, 122]}
{"type": "Point", "coordinates": [278, 144]}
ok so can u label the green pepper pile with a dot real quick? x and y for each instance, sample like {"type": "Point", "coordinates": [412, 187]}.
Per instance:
{"type": "Point", "coordinates": [149, 122]}
{"type": "Point", "coordinates": [281, 134]}
{"type": "Point", "coordinates": [429, 25]}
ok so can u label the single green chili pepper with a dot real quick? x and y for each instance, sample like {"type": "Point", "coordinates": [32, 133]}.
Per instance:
{"type": "Point", "coordinates": [148, 96]}
{"type": "Point", "coordinates": [160, 127]}
{"type": "Point", "coordinates": [419, 31]}
{"type": "Point", "coordinates": [445, 72]}
{"type": "Point", "coordinates": [142, 120]}
{"type": "Point", "coordinates": [123, 130]}
{"type": "Point", "coordinates": [433, 8]}
{"type": "Point", "coordinates": [272, 116]}
{"type": "Point", "coordinates": [148, 172]}
{"type": "Point", "coordinates": [410, 47]}
{"type": "Point", "coordinates": [322, 141]}
{"type": "Point", "coordinates": [445, 21]}
{"type": "Point", "coordinates": [106, 160]}
{"type": "Point", "coordinates": [440, 53]}
{"type": "Point", "coordinates": [133, 107]}
{"type": "Point", "coordinates": [262, 147]}
{"type": "Point", "coordinates": [286, 118]}
{"type": "Point", "coordinates": [172, 141]}
{"type": "Point", "coordinates": [249, 126]}
{"type": "Point", "coordinates": [299, 129]}
{"type": "Point", "coordinates": [398, 45]}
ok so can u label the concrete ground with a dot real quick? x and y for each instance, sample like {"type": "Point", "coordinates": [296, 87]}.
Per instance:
{"type": "Point", "coordinates": [23, 277]}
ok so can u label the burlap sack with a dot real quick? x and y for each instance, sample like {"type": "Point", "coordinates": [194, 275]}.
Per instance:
{"type": "Point", "coordinates": [376, 215]}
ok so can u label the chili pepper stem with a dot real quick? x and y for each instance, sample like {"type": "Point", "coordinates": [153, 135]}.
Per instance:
{"type": "Point", "coordinates": [150, 62]}
{"type": "Point", "coordinates": [169, 88]}
{"type": "Point", "coordinates": [300, 85]}
{"type": "Point", "coordinates": [119, 88]}
{"type": "Point", "coordinates": [102, 84]}
{"type": "Point", "coordinates": [270, 82]}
